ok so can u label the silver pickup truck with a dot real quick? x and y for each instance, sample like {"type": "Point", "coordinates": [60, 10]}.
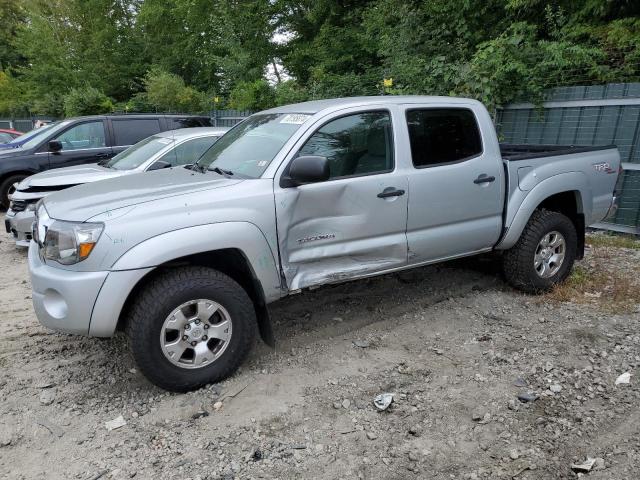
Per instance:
{"type": "Point", "coordinates": [186, 260]}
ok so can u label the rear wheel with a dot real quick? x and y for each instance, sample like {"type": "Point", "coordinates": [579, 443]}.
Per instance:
{"type": "Point", "coordinates": [7, 188]}
{"type": "Point", "coordinates": [189, 327]}
{"type": "Point", "coordinates": [544, 254]}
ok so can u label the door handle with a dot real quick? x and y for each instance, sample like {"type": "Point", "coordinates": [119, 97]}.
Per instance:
{"type": "Point", "coordinates": [484, 178]}
{"type": "Point", "coordinates": [390, 192]}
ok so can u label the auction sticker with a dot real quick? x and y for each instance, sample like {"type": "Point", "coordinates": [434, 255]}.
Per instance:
{"type": "Point", "coordinates": [295, 118]}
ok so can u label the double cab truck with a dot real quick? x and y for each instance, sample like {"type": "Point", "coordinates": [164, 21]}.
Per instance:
{"type": "Point", "coordinates": [186, 260]}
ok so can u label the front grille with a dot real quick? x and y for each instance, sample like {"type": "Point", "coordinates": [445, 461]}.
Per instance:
{"type": "Point", "coordinates": [18, 205]}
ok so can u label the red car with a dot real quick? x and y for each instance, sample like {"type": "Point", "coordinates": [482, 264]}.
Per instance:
{"type": "Point", "coordinates": [7, 134]}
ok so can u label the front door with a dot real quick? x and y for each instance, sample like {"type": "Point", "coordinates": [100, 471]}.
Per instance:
{"type": "Point", "coordinates": [82, 143]}
{"type": "Point", "coordinates": [354, 223]}
{"type": "Point", "coordinates": [457, 186]}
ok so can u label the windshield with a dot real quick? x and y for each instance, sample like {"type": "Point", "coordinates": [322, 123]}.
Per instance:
{"type": "Point", "coordinates": [137, 154]}
{"type": "Point", "coordinates": [43, 132]}
{"type": "Point", "coordinates": [30, 134]}
{"type": "Point", "coordinates": [248, 149]}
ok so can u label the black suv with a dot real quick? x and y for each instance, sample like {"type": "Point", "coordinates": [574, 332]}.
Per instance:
{"type": "Point", "coordinates": [82, 140]}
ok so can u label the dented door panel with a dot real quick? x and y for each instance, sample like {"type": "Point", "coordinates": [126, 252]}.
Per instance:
{"type": "Point", "coordinates": [338, 230]}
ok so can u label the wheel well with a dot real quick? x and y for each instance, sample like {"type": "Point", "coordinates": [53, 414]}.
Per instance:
{"type": "Point", "coordinates": [570, 205]}
{"type": "Point", "coordinates": [231, 262]}
{"type": "Point", "coordinates": [11, 174]}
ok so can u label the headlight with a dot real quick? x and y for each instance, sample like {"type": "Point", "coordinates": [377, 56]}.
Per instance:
{"type": "Point", "coordinates": [31, 207]}
{"type": "Point", "coordinates": [70, 242]}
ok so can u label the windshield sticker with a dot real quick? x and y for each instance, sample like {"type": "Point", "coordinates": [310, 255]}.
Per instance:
{"type": "Point", "coordinates": [262, 163]}
{"type": "Point", "coordinates": [295, 118]}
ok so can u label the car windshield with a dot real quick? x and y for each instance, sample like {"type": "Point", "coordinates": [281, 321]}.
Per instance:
{"type": "Point", "coordinates": [137, 154]}
{"type": "Point", "coordinates": [30, 134]}
{"type": "Point", "coordinates": [41, 133]}
{"type": "Point", "coordinates": [248, 148]}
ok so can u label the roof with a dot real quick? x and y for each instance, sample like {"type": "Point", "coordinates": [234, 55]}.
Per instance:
{"type": "Point", "coordinates": [135, 115]}
{"type": "Point", "coordinates": [316, 106]}
{"type": "Point", "coordinates": [184, 133]}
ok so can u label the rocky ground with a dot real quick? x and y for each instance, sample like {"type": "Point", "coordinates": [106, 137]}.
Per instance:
{"type": "Point", "coordinates": [452, 343]}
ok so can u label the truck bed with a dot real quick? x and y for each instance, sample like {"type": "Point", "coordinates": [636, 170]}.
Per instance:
{"type": "Point", "coordinates": [521, 151]}
{"type": "Point", "coordinates": [539, 171]}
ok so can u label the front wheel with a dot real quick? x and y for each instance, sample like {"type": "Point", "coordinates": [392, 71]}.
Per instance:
{"type": "Point", "coordinates": [544, 254]}
{"type": "Point", "coordinates": [7, 188]}
{"type": "Point", "coordinates": [189, 327]}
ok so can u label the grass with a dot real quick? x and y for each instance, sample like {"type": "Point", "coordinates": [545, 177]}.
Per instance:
{"type": "Point", "coordinates": [614, 241]}
{"type": "Point", "coordinates": [605, 279]}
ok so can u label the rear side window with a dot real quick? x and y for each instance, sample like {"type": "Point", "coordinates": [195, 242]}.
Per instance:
{"type": "Point", "coordinates": [442, 135]}
{"type": "Point", "coordinates": [130, 131]}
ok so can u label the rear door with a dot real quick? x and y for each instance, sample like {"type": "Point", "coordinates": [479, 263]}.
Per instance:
{"type": "Point", "coordinates": [354, 223]}
{"type": "Point", "coordinates": [457, 186]}
{"type": "Point", "coordinates": [129, 131]}
{"type": "Point", "coordinates": [82, 142]}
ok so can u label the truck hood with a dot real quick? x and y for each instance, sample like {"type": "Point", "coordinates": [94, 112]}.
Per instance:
{"type": "Point", "coordinates": [85, 201]}
{"type": "Point", "coordinates": [76, 175]}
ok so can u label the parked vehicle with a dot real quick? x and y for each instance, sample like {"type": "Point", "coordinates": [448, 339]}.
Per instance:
{"type": "Point", "coordinates": [162, 150]}
{"type": "Point", "coordinates": [8, 134]}
{"type": "Point", "coordinates": [25, 137]}
{"type": "Point", "coordinates": [186, 261]}
{"type": "Point", "coordinates": [82, 140]}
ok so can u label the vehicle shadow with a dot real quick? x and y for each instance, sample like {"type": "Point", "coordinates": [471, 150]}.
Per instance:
{"type": "Point", "coordinates": [341, 309]}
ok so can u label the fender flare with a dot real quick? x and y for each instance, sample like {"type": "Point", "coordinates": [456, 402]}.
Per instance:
{"type": "Point", "coordinates": [244, 236]}
{"type": "Point", "coordinates": [577, 181]}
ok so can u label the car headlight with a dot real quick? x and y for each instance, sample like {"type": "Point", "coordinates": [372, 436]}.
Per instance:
{"type": "Point", "coordinates": [31, 207]}
{"type": "Point", "coordinates": [71, 242]}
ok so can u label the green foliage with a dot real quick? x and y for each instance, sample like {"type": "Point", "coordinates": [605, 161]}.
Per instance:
{"type": "Point", "coordinates": [86, 101]}
{"type": "Point", "coordinates": [167, 92]}
{"type": "Point", "coordinates": [256, 95]}
{"type": "Point", "coordinates": [11, 95]}
{"type": "Point", "coordinates": [176, 55]}
{"type": "Point", "coordinates": [289, 92]}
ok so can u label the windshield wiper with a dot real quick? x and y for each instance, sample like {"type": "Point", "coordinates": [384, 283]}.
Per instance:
{"type": "Point", "coordinates": [104, 163]}
{"type": "Point", "coordinates": [221, 171]}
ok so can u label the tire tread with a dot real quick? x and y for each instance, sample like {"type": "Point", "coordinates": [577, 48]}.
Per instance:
{"type": "Point", "coordinates": [147, 306]}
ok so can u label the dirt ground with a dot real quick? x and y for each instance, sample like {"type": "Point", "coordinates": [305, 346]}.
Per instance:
{"type": "Point", "coordinates": [452, 342]}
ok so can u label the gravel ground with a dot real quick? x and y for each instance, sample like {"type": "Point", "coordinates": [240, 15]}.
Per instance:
{"type": "Point", "coordinates": [452, 342]}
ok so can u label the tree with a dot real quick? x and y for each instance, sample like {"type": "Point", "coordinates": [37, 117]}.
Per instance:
{"type": "Point", "coordinates": [256, 95]}
{"type": "Point", "coordinates": [86, 101]}
{"type": "Point", "coordinates": [167, 92]}
{"type": "Point", "coordinates": [12, 17]}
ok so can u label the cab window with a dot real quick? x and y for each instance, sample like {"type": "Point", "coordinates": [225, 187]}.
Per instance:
{"type": "Point", "coordinates": [82, 136]}
{"type": "Point", "coordinates": [358, 144]}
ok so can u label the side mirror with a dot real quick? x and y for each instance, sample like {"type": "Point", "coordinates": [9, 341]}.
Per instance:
{"type": "Point", "coordinates": [159, 165]}
{"type": "Point", "coordinates": [306, 169]}
{"type": "Point", "coordinates": [55, 146]}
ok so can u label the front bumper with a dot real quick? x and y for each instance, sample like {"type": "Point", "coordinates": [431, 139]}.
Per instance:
{"type": "Point", "coordinates": [62, 299]}
{"type": "Point", "coordinates": [84, 303]}
{"type": "Point", "coordinates": [18, 225]}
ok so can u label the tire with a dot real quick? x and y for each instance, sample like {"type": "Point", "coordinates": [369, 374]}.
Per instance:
{"type": "Point", "coordinates": [518, 262]}
{"type": "Point", "coordinates": [6, 187]}
{"type": "Point", "coordinates": [148, 316]}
